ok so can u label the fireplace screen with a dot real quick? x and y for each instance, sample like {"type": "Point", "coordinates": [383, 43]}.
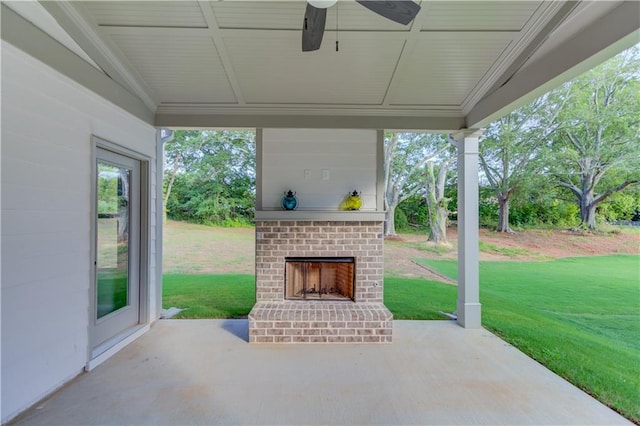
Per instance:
{"type": "Point", "coordinates": [313, 278]}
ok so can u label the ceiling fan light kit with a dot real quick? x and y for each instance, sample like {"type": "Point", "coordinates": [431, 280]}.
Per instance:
{"type": "Point", "coordinates": [322, 4]}
{"type": "Point", "coordinates": [315, 17]}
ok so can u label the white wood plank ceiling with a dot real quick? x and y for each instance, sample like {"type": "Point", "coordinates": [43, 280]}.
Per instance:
{"type": "Point", "coordinates": [244, 57]}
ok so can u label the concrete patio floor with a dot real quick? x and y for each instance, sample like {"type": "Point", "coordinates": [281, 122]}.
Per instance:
{"type": "Point", "coordinates": [204, 372]}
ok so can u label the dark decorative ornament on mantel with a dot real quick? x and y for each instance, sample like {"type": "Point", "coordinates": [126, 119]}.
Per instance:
{"type": "Point", "coordinates": [289, 201]}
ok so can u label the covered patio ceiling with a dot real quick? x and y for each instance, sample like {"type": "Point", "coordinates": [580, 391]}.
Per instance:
{"type": "Point", "coordinates": [459, 64]}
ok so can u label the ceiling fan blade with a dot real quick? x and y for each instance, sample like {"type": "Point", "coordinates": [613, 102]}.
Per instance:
{"type": "Point", "coordinates": [313, 28]}
{"type": "Point", "coordinates": [400, 11]}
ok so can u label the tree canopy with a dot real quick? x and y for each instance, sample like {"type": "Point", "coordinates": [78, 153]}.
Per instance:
{"type": "Point", "coordinates": [582, 138]}
{"type": "Point", "coordinates": [405, 157]}
{"type": "Point", "coordinates": [597, 145]}
{"type": "Point", "coordinates": [512, 151]}
{"type": "Point", "coordinates": [210, 176]}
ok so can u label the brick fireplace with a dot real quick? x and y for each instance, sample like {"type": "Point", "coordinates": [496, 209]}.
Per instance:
{"type": "Point", "coordinates": [302, 296]}
{"type": "Point", "coordinates": [319, 318]}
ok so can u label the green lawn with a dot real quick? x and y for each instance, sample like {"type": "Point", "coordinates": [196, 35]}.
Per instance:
{"type": "Point", "coordinates": [209, 296]}
{"type": "Point", "coordinates": [579, 316]}
{"type": "Point", "coordinates": [233, 296]}
{"type": "Point", "coordinates": [417, 299]}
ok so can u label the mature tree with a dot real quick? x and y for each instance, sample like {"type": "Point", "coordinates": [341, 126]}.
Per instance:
{"type": "Point", "coordinates": [405, 155]}
{"type": "Point", "coordinates": [597, 145]}
{"type": "Point", "coordinates": [437, 204]}
{"type": "Point", "coordinates": [510, 151]}
{"type": "Point", "coordinates": [210, 175]}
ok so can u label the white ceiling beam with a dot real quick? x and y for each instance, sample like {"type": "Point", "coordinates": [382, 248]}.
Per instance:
{"type": "Point", "coordinates": [349, 34]}
{"type": "Point", "coordinates": [445, 111]}
{"type": "Point", "coordinates": [33, 12]}
{"type": "Point", "coordinates": [407, 51]}
{"type": "Point", "coordinates": [545, 19]}
{"type": "Point", "coordinates": [433, 124]}
{"type": "Point", "coordinates": [87, 35]}
{"type": "Point", "coordinates": [560, 13]}
{"type": "Point", "coordinates": [604, 38]}
{"type": "Point", "coordinates": [223, 54]}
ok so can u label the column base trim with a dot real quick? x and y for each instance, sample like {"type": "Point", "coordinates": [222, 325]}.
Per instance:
{"type": "Point", "coordinates": [469, 314]}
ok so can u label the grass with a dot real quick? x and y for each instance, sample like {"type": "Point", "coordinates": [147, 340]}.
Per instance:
{"type": "Point", "coordinates": [233, 296]}
{"type": "Point", "coordinates": [192, 248]}
{"type": "Point", "coordinates": [579, 316]}
{"type": "Point", "coordinates": [417, 299]}
{"type": "Point", "coordinates": [618, 229]}
{"type": "Point", "coordinates": [426, 246]}
{"type": "Point", "coordinates": [209, 296]}
{"type": "Point", "coordinates": [506, 251]}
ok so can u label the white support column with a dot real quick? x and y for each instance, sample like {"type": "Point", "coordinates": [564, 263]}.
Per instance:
{"type": "Point", "coordinates": [163, 136]}
{"type": "Point", "coordinates": [469, 309]}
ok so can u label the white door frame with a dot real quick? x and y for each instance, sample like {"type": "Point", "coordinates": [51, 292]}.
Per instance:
{"type": "Point", "coordinates": [97, 354]}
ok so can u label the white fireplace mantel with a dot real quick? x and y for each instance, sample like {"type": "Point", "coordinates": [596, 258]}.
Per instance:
{"type": "Point", "coordinates": [332, 215]}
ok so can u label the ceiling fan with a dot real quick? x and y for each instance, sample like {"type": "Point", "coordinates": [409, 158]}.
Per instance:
{"type": "Point", "coordinates": [400, 11]}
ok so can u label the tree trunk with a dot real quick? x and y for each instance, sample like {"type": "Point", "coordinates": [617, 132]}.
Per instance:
{"type": "Point", "coordinates": [390, 220]}
{"type": "Point", "coordinates": [436, 203]}
{"type": "Point", "coordinates": [438, 227]}
{"type": "Point", "coordinates": [588, 201]}
{"type": "Point", "coordinates": [591, 217]}
{"type": "Point", "coordinates": [503, 213]}
{"type": "Point", "coordinates": [587, 210]}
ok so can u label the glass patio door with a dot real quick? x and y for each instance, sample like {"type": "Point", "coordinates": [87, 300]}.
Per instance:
{"type": "Point", "coordinates": [116, 289]}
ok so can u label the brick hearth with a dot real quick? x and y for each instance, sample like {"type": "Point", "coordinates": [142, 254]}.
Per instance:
{"type": "Point", "coordinates": [276, 320]}
{"type": "Point", "coordinates": [320, 322]}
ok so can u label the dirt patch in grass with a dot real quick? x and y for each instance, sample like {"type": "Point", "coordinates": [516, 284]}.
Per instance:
{"type": "Point", "coordinates": [399, 250]}
{"type": "Point", "coordinates": [530, 245]}
{"type": "Point", "coordinates": [199, 249]}
{"type": "Point", "coordinates": [554, 244]}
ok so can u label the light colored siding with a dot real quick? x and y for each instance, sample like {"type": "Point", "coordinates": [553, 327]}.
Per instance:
{"type": "Point", "coordinates": [47, 123]}
{"type": "Point", "coordinates": [348, 155]}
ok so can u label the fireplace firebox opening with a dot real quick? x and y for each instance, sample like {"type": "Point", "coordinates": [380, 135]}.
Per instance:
{"type": "Point", "coordinates": [319, 278]}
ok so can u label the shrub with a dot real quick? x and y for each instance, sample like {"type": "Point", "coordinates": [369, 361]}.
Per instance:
{"type": "Point", "coordinates": [414, 210]}
{"type": "Point", "coordinates": [620, 206]}
{"type": "Point", "coordinates": [401, 222]}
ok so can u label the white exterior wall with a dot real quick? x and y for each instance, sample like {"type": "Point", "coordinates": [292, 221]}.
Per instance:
{"type": "Point", "coordinates": [47, 124]}
{"type": "Point", "coordinates": [348, 155]}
